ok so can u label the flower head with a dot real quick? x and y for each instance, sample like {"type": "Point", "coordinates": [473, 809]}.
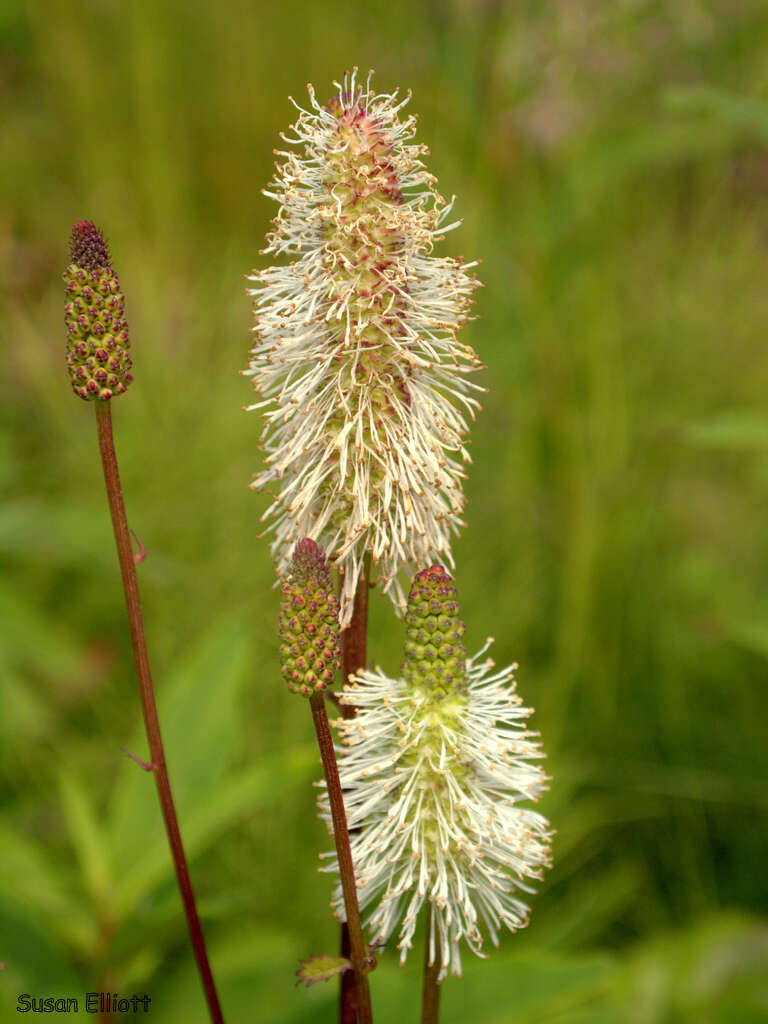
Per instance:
{"type": "Point", "coordinates": [310, 653]}
{"type": "Point", "coordinates": [98, 357]}
{"type": "Point", "coordinates": [356, 358]}
{"type": "Point", "coordinates": [434, 769]}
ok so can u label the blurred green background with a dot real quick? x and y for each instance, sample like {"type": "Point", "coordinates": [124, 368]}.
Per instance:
{"type": "Point", "coordinates": [611, 163]}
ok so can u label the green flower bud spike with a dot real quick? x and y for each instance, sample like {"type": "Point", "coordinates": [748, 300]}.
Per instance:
{"type": "Point", "coordinates": [310, 654]}
{"type": "Point", "coordinates": [310, 650]}
{"type": "Point", "coordinates": [435, 657]}
{"type": "Point", "coordinates": [97, 333]}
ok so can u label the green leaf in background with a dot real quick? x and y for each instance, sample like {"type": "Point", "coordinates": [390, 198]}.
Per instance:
{"type": "Point", "coordinates": [57, 657]}
{"type": "Point", "coordinates": [237, 796]}
{"type": "Point", "coordinates": [748, 115]}
{"type": "Point", "coordinates": [321, 967]}
{"type": "Point", "coordinates": [199, 714]}
{"type": "Point", "coordinates": [254, 973]}
{"type": "Point", "coordinates": [199, 711]}
{"type": "Point", "coordinates": [34, 961]}
{"type": "Point", "coordinates": [87, 835]}
{"type": "Point", "coordinates": [25, 529]}
{"type": "Point", "coordinates": [753, 636]}
{"type": "Point", "coordinates": [735, 430]}
{"type": "Point", "coordinates": [32, 881]}
{"type": "Point", "coordinates": [575, 922]}
{"type": "Point", "coordinates": [690, 976]}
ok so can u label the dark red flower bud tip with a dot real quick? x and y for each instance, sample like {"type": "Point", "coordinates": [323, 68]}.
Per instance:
{"type": "Point", "coordinates": [309, 561]}
{"type": "Point", "coordinates": [434, 574]}
{"type": "Point", "coordinates": [88, 247]}
{"type": "Point", "coordinates": [308, 549]}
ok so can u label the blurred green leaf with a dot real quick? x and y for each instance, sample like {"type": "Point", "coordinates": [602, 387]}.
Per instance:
{"type": "Point", "coordinates": [87, 835]}
{"type": "Point", "coordinates": [40, 886]}
{"type": "Point", "coordinates": [198, 710]}
{"type": "Point", "coordinates": [578, 920]}
{"type": "Point", "coordinates": [745, 430]}
{"type": "Point", "coordinates": [241, 795]}
{"type": "Point", "coordinates": [321, 967]}
{"type": "Point", "coordinates": [253, 968]}
{"type": "Point", "coordinates": [36, 641]}
{"type": "Point", "coordinates": [27, 713]}
{"type": "Point", "coordinates": [26, 529]}
{"type": "Point", "coordinates": [751, 635]}
{"type": "Point", "coordinates": [34, 960]}
{"type": "Point", "coordinates": [687, 975]}
{"type": "Point", "coordinates": [748, 114]}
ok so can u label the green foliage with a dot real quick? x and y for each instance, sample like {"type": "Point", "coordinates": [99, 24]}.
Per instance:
{"type": "Point", "coordinates": [321, 968]}
{"type": "Point", "coordinates": [611, 166]}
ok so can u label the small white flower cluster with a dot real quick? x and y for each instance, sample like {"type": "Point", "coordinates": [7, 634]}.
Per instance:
{"type": "Point", "coordinates": [433, 768]}
{"type": "Point", "coordinates": [356, 359]}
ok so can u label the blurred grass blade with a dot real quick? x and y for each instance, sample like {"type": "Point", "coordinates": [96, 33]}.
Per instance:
{"type": "Point", "coordinates": [34, 958]}
{"type": "Point", "coordinates": [234, 798]}
{"type": "Point", "coordinates": [199, 712]}
{"type": "Point", "coordinates": [30, 880]}
{"type": "Point", "coordinates": [737, 430]}
{"type": "Point", "coordinates": [57, 658]}
{"type": "Point", "coordinates": [87, 835]}
{"type": "Point", "coordinates": [748, 115]}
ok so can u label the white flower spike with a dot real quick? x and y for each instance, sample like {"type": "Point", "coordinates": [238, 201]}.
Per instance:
{"type": "Point", "coordinates": [434, 768]}
{"type": "Point", "coordinates": [359, 372]}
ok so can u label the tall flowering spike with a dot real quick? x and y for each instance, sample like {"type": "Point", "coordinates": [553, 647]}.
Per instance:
{"type": "Point", "coordinates": [434, 769]}
{"type": "Point", "coordinates": [98, 357]}
{"type": "Point", "coordinates": [356, 359]}
{"type": "Point", "coordinates": [310, 651]}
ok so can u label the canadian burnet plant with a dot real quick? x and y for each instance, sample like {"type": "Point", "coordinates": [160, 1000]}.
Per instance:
{"type": "Point", "coordinates": [434, 768]}
{"type": "Point", "coordinates": [362, 380]}
{"type": "Point", "coordinates": [365, 390]}
{"type": "Point", "coordinates": [99, 364]}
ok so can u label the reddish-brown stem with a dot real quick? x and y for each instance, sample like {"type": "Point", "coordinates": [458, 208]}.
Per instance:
{"type": "Point", "coordinates": [148, 706]}
{"type": "Point", "coordinates": [430, 1003]}
{"type": "Point", "coordinates": [354, 641]}
{"type": "Point", "coordinates": [357, 952]}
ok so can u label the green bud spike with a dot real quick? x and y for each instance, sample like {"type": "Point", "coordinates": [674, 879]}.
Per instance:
{"type": "Point", "coordinates": [435, 656]}
{"type": "Point", "coordinates": [97, 333]}
{"type": "Point", "coordinates": [310, 650]}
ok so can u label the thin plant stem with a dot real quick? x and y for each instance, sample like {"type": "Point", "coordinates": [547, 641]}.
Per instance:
{"type": "Point", "coordinates": [148, 705]}
{"type": "Point", "coordinates": [430, 1003]}
{"type": "Point", "coordinates": [358, 954]}
{"type": "Point", "coordinates": [354, 640]}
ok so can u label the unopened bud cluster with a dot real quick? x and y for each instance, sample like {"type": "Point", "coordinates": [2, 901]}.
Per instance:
{"type": "Point", "coordinates": [98, 357]}
{"type": "Point", "coordinates": [310, 651]}
{"type": "Point", "coordinates": [435, 657]}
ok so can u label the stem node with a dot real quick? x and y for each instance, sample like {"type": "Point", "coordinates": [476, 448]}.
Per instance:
{"type": "Point", "coordinates": [148, 766]}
